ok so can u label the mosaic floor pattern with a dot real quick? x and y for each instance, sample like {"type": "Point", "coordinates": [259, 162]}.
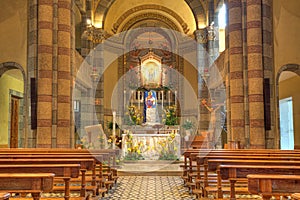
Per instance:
{"type": "Point", "coordinates": [149, 188]}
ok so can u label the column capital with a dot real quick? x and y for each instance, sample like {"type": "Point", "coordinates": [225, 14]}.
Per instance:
{"type": "Point", "coordinates": [97, 35]}
{"type": "Point", "coordinates": [201, 35]}
{"type": "Point", "coordinates": [211, 32]}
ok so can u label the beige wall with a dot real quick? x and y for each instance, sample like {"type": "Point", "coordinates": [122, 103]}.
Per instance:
{"type": "Point", "coordinates": [286, 33]}
{"type": "Point", "coordinates": [191, 77]}
{"type": "Point", "coordinates": [7, 82]}
{"type": "Point", "coordinates": [13, 31]}
{"type": "Point", "coordinates": [110, 82]}
{"type": "Point", "coordinates": [287, 89]}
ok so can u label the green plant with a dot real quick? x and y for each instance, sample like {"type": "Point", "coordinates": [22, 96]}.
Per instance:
{"type": "Point", "coordinates": [110, 124]}
{"type": "Point", "coordinates": [171, 118]}
{"type": "Point", "coordinates": [188, 124]}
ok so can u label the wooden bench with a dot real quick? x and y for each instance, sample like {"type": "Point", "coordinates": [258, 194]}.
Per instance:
{"type": "Point", "coordinates": [99, 157]}
{"type": "Point", "coordinates": [269, 185]}
{"type": "Point", "coordinates": [64, 171]}
{"type": "Point", "coordinates": [209, 164]}
{"type": "Point", "coordinates": [235, 173]}
{"type": "Point", "coordinates": [85, 164]}
{"type": "Point", "coordinates": [26, 182]}
{"type": "Point", "coordinates": [213, 163]}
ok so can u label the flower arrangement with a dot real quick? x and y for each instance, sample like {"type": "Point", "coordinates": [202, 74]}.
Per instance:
{"type": "Point", "coordinates": [134, 151]}
{"type": "Point", "coordinates": [171, 118]}
{"type": "Point", "coordinates": [167, 148]}
{"type": "Point", "coordinates": [135, 115]}
{"type": "Point", "coordinates": [86, 144]}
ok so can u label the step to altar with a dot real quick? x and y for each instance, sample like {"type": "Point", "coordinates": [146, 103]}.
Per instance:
{"type": "Point", "coordinates": [150, 168]}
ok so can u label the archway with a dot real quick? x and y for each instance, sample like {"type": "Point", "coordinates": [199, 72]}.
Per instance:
{"type": "Point", "coordinates": [288, 106]}
{"type": "Point", "coordinates": [12, 105]}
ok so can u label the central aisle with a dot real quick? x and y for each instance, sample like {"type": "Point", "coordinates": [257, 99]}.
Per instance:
{"type": "Point", "coordinates": [150, 188]}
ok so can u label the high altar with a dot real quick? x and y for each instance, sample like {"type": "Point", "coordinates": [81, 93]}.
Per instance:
{"type": "Point", "coordinates": [152, 138]}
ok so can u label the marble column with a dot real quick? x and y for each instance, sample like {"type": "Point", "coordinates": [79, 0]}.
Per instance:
{"type": "Point", "coordinates": [63, 74]}
{"type": "Point", "coordinates": [255, 74]}
{"type": "Point", "coordinates": [44, 73]}
{"type": "Point", "coordinates": [236, 72]}
{"type": "Point", "coordinates": [201, 38]}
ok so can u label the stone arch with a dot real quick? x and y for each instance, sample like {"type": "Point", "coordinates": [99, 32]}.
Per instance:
{"type": "Point", "coordinates": [101, 9]}
{"type": "Point", "coordinates": [13, 65]}
{"type": "Point", "coordinates": [198, 9]}
{"type": "Point", "coordinates": [121, 19]}
{"type": "Point", "coordinates": [291, 68]}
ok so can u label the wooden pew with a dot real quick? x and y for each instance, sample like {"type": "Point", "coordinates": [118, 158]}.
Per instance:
{"type": "Point", "coordinates": [213, 163]}
{"type": "Point", "coordinates": [210, 163]}
{"type": "Point", "coordinates": [65, 171]}
{"type": "Point", "coordinates": [26, 182]}
{"type": "Point", "coordinates": [269, 185]}
{"type": "Point", "coordinates": [85, 164]}
{"type": "Point", "coordinates": [295, 196]}
{"type": "Point", "coordinates": [235, 173]}
{"type": "Point", "coordinates": [98, 157]}
{"type": "Point", "coordinates": [4, 195]}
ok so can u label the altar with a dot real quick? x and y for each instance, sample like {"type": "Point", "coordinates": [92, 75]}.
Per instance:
{"type": "Point", "coordinates": [151, 146]}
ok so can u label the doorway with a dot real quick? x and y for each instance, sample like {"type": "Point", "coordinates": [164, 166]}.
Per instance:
{"type": "Point", "coordinates": [286, 124]}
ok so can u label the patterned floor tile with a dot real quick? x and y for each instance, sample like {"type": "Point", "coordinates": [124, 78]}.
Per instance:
{"type": "Point", "coordinates": [149, 188]}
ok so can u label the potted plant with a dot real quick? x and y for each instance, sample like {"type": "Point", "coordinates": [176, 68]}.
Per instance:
{"type": "Point", "coordinates": [188, 125]}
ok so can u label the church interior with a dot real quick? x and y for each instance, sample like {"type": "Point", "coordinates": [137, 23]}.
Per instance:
{"type": "Point", "coordinates": [149, 99]}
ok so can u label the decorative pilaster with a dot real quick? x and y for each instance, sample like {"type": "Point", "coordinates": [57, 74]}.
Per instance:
{"type": "Point", "coordinates": [32, 68]}
{"type": "Point", "coordinates": [236, 91]}
{"type": "Point", "coordinates": [44, 75]}
{"type": "Point", "coordinates": [64, 74]}
{"type": "Point", "coordinates": [255, 74]}
{"type": "Point", "coordinates": [267, 26]}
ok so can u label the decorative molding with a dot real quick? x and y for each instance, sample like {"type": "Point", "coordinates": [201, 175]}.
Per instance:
{"type": "Point", "coordinates": [148, 16]}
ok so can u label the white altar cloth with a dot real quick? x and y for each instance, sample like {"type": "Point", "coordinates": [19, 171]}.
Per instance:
{"type": "Point", "coordinates": [151, 144]}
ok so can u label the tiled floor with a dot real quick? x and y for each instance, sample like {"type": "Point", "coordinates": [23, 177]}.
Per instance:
{"type": "Point", "coordinates": [149, 188]}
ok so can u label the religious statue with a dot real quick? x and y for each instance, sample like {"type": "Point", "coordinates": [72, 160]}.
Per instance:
{"type": "Point", "coordinates": [150, 101]}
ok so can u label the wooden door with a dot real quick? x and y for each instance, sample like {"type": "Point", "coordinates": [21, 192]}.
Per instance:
{"type": "Point", "coordinates": [14, 122]}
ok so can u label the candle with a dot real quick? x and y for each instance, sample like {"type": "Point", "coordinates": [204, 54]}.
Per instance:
{"type": "Point", "coordinates": [114, 128]}
{"type": "Point", "coordinates": [175, 98]}
{"type": "Point", "coordinates": [169, 98]}
{"type": "Point", "coordinates": [139, 102]}
{"type": "Point", "coordinates": [162, 100]}
{"type": "Point", "coordinates": [124, 100]}
{"type": "Point", "coordinates": [131, 98]}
